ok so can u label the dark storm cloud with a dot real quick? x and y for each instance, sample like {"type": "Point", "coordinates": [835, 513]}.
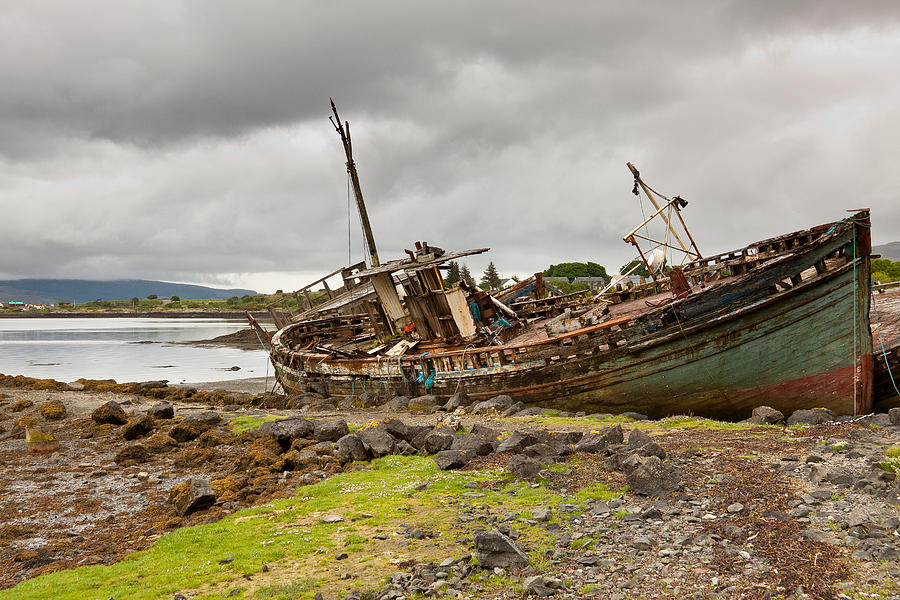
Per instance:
{"type": "Point", "coordinates": [190, 140]}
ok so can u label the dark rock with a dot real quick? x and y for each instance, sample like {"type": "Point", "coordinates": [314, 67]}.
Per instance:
{"type": "Point", "coordinates": [523, 467]}
{"type": "Point", "coordinates": [193, 495]}
{"type": "Point", "coordinates": [813, 416]}
{"type": "Point", "coordinates": [188, 429]}
{"type": "Point", "coordinates": [398, 428]}
{"type": "Point", "coordinates": [894, 416]}
{"type": "Point", "coordinates": [138, 427]}
{"type": "Point", "coordinates": [536, 586]}
{"type": "Point", "coordinates": [458, 400]}
{"type": "Point", "coordinates": [542, 452]}
{"type": "Point", "coordinates": [330, 431]}
{"type": "Point", "coordinates": [517, 442]}
{"type": "Point", "coordinates": [377, 440]}
{"type": "Point", "coordinates": [637, 438]}
{"type": "Point", "coordinates": [474, 443]}
{"type": "Point", "coordinates": [397, 403]}
{"type": "Point", "coordinates": [496, 404]}
{"type": "Point", "coordinates": [652, 449]}
{"type": "Point", "coordinates": [599, 440]}
{"type": "Point", "coordinates": [210, 417]}
{"type": "Point", "coordinates": [161, 410]}
{"type": "Point", "coordinates": [439, 438]}
{"type": "Point", "coordinates": [634, 415]}
{"type": "Point", "coordinates": [840, 477]}
{"type": "Point", "coordinates": [766, 415]}
{"type": "Point", "coordinates": [424, 404]}
{"type": "Point", "coordinates": [132, 455]}
{"type": "Point", "coordinates": [364, 400]}
{"type": "Point", "coordinates": [285, 431]}
{"type": "Point", "coordinates": [110, 412]}
{"type": "Point", "coordinates": [452, 459]}
{"type": "Point", "coordinates": [515, 408]}
{"type": "Point", "coordinates": [350, 448]}
{"type": "Point", "coordinates": [650, 476]}
{"type": "Point", "coordinates": [531, 411]}
{"type": "Point", "coordinates": [493, 549]}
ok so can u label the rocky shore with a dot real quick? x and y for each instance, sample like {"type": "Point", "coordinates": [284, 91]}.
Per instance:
{"type": "Point", "coordinates": [548, 504]}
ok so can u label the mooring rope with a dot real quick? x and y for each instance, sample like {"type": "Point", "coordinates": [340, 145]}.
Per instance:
{"type": "Point", "coordinates": [883, 349]}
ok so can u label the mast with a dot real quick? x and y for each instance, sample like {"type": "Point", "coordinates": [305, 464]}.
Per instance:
{"type": "Point", "coordinates": [344, 130]}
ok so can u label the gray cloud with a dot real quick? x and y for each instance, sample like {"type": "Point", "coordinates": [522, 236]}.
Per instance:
{"type": "Point", "coordinates": [190, 141]}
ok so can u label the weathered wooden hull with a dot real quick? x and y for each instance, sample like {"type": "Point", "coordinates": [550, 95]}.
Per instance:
{"type": "Point", "coordinates": [718, 353]}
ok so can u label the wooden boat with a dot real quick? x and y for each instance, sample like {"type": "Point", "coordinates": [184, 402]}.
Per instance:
{"type": "Point", "coordinates": [783, 322]}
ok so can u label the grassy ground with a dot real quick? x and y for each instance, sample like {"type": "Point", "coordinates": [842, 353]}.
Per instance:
{"type": "Point", "coordinates": [298, 548]}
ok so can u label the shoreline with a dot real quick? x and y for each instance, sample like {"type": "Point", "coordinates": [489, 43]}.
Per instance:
{"type": "Point", "coordinates": [205, 314]}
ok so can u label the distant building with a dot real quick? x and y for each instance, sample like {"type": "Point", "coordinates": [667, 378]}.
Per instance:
{"type": "Point", "coordinates": [15, 304]}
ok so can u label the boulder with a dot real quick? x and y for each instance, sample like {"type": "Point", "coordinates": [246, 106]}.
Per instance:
{"type": "Point", "coordinates": [350, 448]}
{"type": "Point", "coordinates": [650, 476]}
{"type": "Point", "coordinates": [377, 440]}
{"type": "Point", "coordinates": [634, 415]}
{"type": "Point", "coordinates": [160, 441]}
{"type": "Point", "coordinates": [637, 438]}
{"type": "Point", "coordinates": [493, 550]}
{"type": "Point", "coordinates": [330, 431]}
{"type": "Point", "coordinates": [439, 438]}
{"type": "Point", "coordinates": [536, 585]}
{"type": "Point", "coordinates": [457, 400]}
{"type": "Point", "coordinates": [53, 410]}
{"type": "Point", "coordinates": [397, 404]}
{"type": "Point", "coordinates": [598, 440]}
{"type": "Point", "coordinates": [301, 460]}
{"type": "Point", "coordinates": [517, 442]}
{"type": "Point", "coordinates": [894, 416]}
{"type": "Point", "coordinates": [286, 431]}
{"type": "Point", "coordinates": [474, 442]}
{"type": "Point", "coordinates": [766, 415]}
{"type": "Point", "coordinates": [399, 429]}
{"type": "Point", "coordinates": [523, 467]}
{"type": "Point", "coordinates": [75, 386]}
{"type": "Point", "coordinates": [188, 429]}
{"type": "Point", "coordinates": [366, 400]}
{"type": "Point", "coordinates": [452, 459]}
{"type": "Point", "coordinates": [514, 409]}
{"type": "Point", "coordinates": [161, 410]}
{"type": "Point", "coordinates": [813, 416]}
{"type": "Point", "coordinates": [111, 412]}
{"type": "Point", "coordinates": [543, 452]}
{"type": "Point", "coordinates": [497, 404]}
{"type": "Point", "coordinates": [423, 404]}
{"type": "Point", "coordinates": [137, 427]}
{"type": "Point", "coordinates": [20, 405]}
{"type": "Point", "coordinates": [210, 417]}
{"type": "Point", "coordinates": [193, 495]}
{"type": "Point", "coordinates": [131, 455]}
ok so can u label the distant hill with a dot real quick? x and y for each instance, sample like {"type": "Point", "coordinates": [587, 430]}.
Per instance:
{"type": "Point", "coordinates": [890, 251]}
{"type": "Point", "coordinates": [53, 291]}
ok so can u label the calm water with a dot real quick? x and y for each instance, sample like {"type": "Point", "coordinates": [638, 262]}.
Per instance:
{"type": "Point", "coordinates": [67, 349]}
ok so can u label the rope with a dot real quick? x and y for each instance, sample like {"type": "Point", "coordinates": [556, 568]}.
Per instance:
{"type": "Point", "coordinates": [349, 220]}
{"type": "Point", "coordinates": [259, 339]}
{"type": "Point", "coordinates": [883, 350]}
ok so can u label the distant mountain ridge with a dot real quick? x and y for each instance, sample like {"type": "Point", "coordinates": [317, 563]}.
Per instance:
{"type": "Point", "coordinates": [890, 251]}
{"type": "Point", "coordinates": [53, 291]}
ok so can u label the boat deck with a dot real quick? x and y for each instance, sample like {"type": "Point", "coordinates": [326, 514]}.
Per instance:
{"type": "Point", "coordinates": [885, 319]}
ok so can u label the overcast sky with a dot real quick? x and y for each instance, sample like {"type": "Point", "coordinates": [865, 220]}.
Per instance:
{"type": "Point", "coordinates": [189, 141]}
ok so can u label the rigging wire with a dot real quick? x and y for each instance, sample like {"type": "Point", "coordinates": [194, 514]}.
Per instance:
{"type": "Point", "coordinates": [349, 221]}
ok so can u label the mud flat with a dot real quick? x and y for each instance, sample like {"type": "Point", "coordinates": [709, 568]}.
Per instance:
{"type": "Point", "coordinates": [357, 498]}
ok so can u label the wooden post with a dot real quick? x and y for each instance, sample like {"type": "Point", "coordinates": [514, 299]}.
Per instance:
{"type": "Point", "coordinates": [354, 178]}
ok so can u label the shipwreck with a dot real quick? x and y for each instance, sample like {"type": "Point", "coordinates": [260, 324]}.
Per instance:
{"type": "Point", "coordinates": [782, 322]}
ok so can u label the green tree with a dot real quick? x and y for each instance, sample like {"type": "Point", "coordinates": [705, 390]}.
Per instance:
{"type": "Point", "coordinates": [465, 275]}
{"type": "Point", "coordinates": [490, 279]}
{"type": "Point", "coordinates": [152, 297]}
{"type": "Point", "coordinates": [640, 271]}
{"type": "Point", "coordinates": [134, 302]}
{"type": "Point", "coordinates": [885, 271]}
{"type": "Point", "coordinates": [576, 269]}
{"type": "Point", "coordinates": [175, 298]}
{"type": "Point", "coordinates": [453, 274]}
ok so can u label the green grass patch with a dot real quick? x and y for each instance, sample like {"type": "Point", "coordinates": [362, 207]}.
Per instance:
{"type": "Point", "coordinates": [286, 591]}
{"type": "Point", "coordinates": [597, 492]}
{"type": "Point", "coordinates": [891, 460]}
{"type": "Point", "coordinates": [242, 424]}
